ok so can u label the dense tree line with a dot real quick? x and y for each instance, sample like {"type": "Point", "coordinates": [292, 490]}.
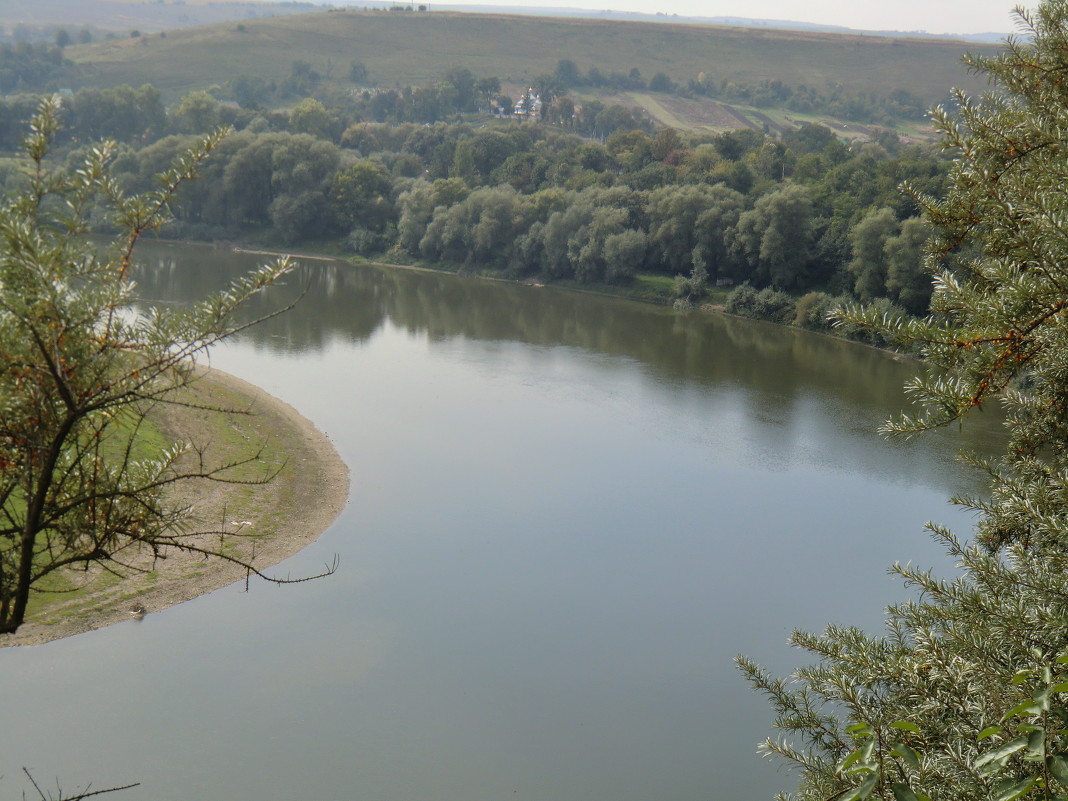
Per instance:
{"type": "Point", "coordinates": [30, 66]}
{"type": "Point", "coordinates": [806, 214]}
{"type": "Point", "coordinates": [833, 100]}
{"type": "Point", "coordinates": [138, 115]}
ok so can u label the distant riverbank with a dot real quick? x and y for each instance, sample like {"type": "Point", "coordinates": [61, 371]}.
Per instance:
{"type": "Point", "coordinates": [268, 523]}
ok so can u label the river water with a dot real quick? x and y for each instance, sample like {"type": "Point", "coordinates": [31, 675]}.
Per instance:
{"type": "Point", "coordinates": [568, 514]}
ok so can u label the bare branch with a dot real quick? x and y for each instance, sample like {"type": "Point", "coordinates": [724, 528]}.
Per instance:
{"type": "Point", "coordinates": [79, 796]}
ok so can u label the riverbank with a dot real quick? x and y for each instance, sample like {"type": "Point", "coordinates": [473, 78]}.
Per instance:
{"type": "Point", "coordinates": [651, 289]}
{"type": "Point", "coordinates": [265, 523]}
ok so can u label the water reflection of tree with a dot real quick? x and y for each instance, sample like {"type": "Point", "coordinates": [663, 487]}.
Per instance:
{"type": "Point", "coordinates": [351, 303]}
{"type": "Point", "coordinates": [774, 366]}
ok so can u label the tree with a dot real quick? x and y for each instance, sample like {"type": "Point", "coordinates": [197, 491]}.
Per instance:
{"type": "Point", "coordinates": [83, 371]}
{"type": "Point", "coordinates": [310, 116]}
{"type": "Point", "coordinates": [463, 81]}
{"type": "Point", "coordinates": [690, 290]}
{"type": "Point", "coordinates": [302, 79]}
{"type": "Point", "coordinates": [198, 112]}
{"type": "Point", "coordinates": [567, 73]}
{"type": "Point", "coordinates": [907, 282]}
{"type": "Point", "coordinates": [360, 196]}
{"type": "Point", "coordinates": [868, 240]}
{"type": "Point", "coordinates": [624, 254]}
{"type": "Point", "coordinates": [250, 91]}
{"type": "Point", "coordinates": [775, 237]}
{"type": "Point", "coordinates": [487, 88]}
{"type": "Point", "coordinates": [682, 218]}
{"type": "Point", "coordinates": [358, 72]}
{"type": "Point", "coordinates": [963, 697]}
{"type": "Point", "coordinates": [661, 83]}
{"type": "Point", "coordinates": [121, 112]}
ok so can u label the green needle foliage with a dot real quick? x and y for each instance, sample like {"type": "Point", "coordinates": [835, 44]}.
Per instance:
{"type": "Point", "coordinates": [965, 695]}
{"type": "Point", "coordinates": [81, 369]}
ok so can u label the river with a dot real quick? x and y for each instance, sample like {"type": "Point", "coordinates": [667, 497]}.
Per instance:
{"type": "Point", "coordinates": [568, 514]}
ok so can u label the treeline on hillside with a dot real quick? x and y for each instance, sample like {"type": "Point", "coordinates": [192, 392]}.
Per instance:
{"type": "Point", "coordinates": [137, 115]}
{"type": "Point", "coordinates": [832, 100]}
{"type": "Point", "coordinates": [31, 65]}
{"type": "Point", "coordinates": [794, 222]}
{"type": "Point", "coordinates": [460, 91]}
{"type": "Point", "coordinates": [40, 66]}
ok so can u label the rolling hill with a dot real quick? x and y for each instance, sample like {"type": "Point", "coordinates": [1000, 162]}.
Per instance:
{"type": "Point", "coordinates": [402, 48]}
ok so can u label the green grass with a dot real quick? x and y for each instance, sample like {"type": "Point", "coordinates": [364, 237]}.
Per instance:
{"type": "Point", "coordinates": [66, 586]}
{"type": "Point", "coordinates": [658, 288]}
{"type": "Point", "coordinates": [65, 593]}
{"type": "Point", "coordinates": [657, 111]}
{"type": "Point", "coordinates": [417, 48]}
{"type": "Point", "coordinates": [149, 442]}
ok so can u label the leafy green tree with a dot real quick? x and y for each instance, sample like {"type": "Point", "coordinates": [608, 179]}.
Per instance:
{"type": "Point", "coordinates": [567, 73]}
{"type": "Point", "coordinates": [250, 91]}
{"type": "Point", "coordinates": [689, 290]}
{"type": "Point", "coordinates": [82, 371]}
{"type": "Point", "coordinates": [360, 196]}
{"type": "Point", "coordinates": [809, 138]}
{"type": "Point", "coordinates": [310, 116]}
{"type": "Point", "coordinates": [26, 66]}
{"type": "Point", "coordinates": [964, 695]}
{"type": "Point", "coordinates": [813, 310]}
{"type": "Point", "coordinates": [869, 264]}
{"type": "Point", "coordinates": [773, 161]}
{"type": "Point", "coordinates": [548, 88]}
{"type": "Point", "coordinates": [497, 217]}
{"type": "Point", "coordinates": [302, 173]}
{"type": "Point", "coordinates": [908, 281]}
{"type": "Point", "coordinates": [665, 144]}
{"type": "Point", "coordinates": [197, 112]}
{"type": "Point", "coordinates": [358, 72]}
{"type": "Point", "coordinates": [302, 79]}
{"type": "Point", "coordinates": [486, 89]}
{"type": "Point", "coordinates": [711, 227]}
{"type": "Point", "coordinates": [632, 149]}
{"type": "Point", "coordinates": [682, 218]}
{"type": "Point", "coordinates": [417, 206]}
{"type": "Point", "coordinates": [661, 83]}
{"type": "Point", "coordinates": [122, 112]}
{"type": "Point", "coordinates": [14, 111]}
{"type": "Point", "coordinates": [624, 254]}
{"type": "Point", "coordinates": [586, 246]}
{"type": "Point", "coordinates": [463, 163]}
{"type": "Point", "coordinates": [463, 82]}
{"type": "Point", "coordinates": [248, 182]}
{"type": "Point", "coordinates": [775, 238]}
{"type": "Point", "coordinates": [525, 171]}
{"type": "Point", "coordinates": [490, 149]}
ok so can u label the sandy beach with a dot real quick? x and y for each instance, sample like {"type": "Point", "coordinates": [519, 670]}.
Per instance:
{"type": "Point", "coordinates": [266, 523]}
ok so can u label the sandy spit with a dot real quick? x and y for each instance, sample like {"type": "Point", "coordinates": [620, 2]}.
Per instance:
{"type": "Point", "coordinates": [269, 523]}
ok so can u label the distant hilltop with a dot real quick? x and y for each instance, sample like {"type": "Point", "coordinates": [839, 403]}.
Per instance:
{"type": "Point", "coordinates": [733, 22]}
{"type": "Point", "coordinates": [39, 20]}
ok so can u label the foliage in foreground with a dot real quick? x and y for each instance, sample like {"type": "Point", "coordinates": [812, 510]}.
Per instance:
{"type": "Point", "coordinates": [81, 371]}
{"type": "Point", "coordinates": [964, 695]}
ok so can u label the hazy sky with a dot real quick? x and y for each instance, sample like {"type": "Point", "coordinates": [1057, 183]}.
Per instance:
{"type": "Point", "coordinates": [933, 16]}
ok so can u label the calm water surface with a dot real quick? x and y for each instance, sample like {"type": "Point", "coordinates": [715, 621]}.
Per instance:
{"type": "Point", "coordinates": [567, 515]}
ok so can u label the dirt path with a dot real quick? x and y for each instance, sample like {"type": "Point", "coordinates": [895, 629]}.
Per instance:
{"type": "Point", "coordinates": [267, 523]}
